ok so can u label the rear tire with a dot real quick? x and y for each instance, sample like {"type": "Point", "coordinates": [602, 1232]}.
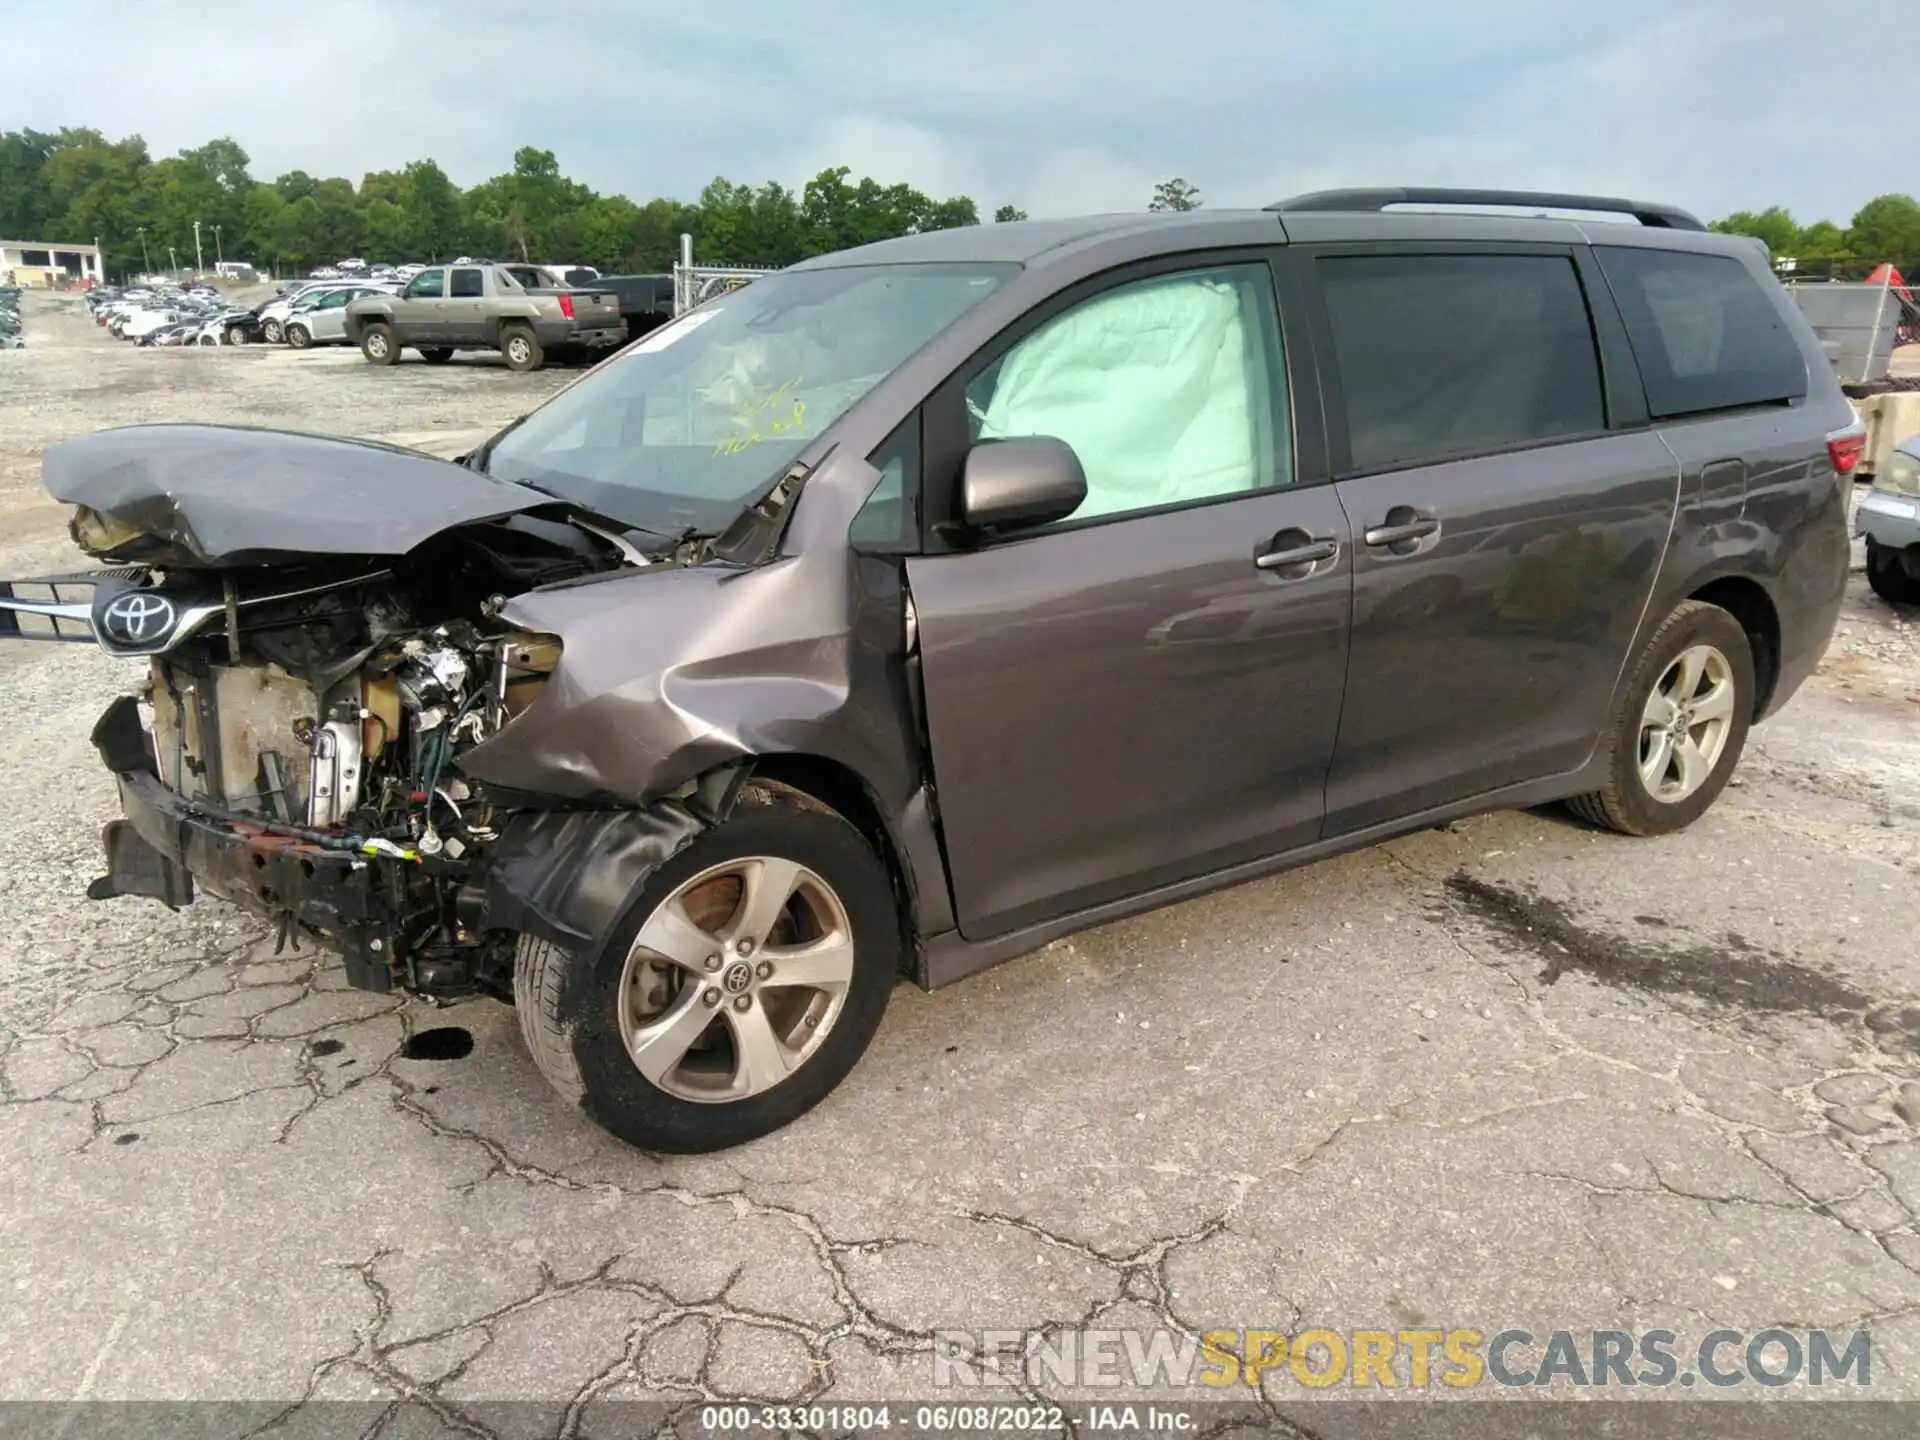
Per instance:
{"type": "Point", "coordinates": [437, 354]}
{"type": "Point", "coordinates": [378, 345]}
{"type": "Point", "coordinates": [521, 347]}
{"type": "Point", "coordinates": [1889, 577]}
{"type": "Point", "coordinates": [580, 1012]}
{"type": "Point", "coordinates": [236, 335]}
{"type": "Point", "coordinates": [1678, 727]}
{"type": "Point", "coordinates": [299, 337]}
{"type": "Point", "coordinates": [270, 331]}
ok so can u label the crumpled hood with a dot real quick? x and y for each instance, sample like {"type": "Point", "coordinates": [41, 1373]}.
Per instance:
{"type": "Point", "coordinates": [198, 496]}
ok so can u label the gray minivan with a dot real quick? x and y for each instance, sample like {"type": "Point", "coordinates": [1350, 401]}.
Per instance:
{"type": "Point", "coordinates": [917, 605]}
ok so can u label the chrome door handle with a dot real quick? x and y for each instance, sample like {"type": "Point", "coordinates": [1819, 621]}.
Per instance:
{"type": "Point", "coordinates": [1401, 532]}
{"type": "Point", "coordinates": [1310, 554]}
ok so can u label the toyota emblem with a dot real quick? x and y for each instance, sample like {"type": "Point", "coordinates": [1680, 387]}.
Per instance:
{"type": "Point", "coordinates": [137, 620]}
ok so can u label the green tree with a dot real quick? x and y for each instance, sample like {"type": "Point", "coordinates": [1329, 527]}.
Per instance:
{"type": "Point", "coordinates": [1007, 214]}
{"type": "Point", "coordinates": [1174, 194]}
{"type": "Point", "coordinates": [26, 206]}
{"type": "Point", "coordinates": [1887, 227]}
{"type": "Point", "coordinates": [1773, 225]}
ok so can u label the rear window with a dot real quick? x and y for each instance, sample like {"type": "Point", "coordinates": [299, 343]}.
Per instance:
{"type": "Point", "coordinates": [467, 284]}
{"type": "Point", "coordinates": [1707, 337]}
{"type": "Point", "coordinates": [1448, 355]}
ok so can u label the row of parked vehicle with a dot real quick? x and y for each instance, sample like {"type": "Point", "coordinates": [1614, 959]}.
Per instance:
{"type": "Point", "coordinates": [11, 330]}
{"type": "Point", "coordinates": [168, 314]}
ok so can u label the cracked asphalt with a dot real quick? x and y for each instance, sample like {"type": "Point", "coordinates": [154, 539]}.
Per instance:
{"type": "Point", "coordinates": [1511, 1072]}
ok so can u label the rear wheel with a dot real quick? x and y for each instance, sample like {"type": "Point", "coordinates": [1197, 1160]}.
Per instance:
{"type": "Point", "coordinates": [521, 347]}
{"type": "Point", "coordinates": [377, 344]}
{"type": "Point", "coordinates": [1889, 576]}
{"type": "Point", "coordinates": [236, 335]}
{"type": "Point", "coordinates": [437, 354]}
{"type": "Point", "coordinates": [1679, 726]}
{"type": "Point", "coordinates": [748, 978]}
{"type": "Point", "coordinates": [270, 331]}
{"type": "Point", "coordinates": [299, 337]}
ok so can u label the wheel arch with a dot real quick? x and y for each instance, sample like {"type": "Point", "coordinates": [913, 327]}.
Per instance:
{"type": "Point", "coordinates": [1747, 600]}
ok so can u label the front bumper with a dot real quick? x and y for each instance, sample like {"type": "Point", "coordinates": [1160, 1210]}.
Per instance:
{"type": "Point", "coordinates": [167, 843]}
{"type": "Point", "coordinates": [1892, 521]}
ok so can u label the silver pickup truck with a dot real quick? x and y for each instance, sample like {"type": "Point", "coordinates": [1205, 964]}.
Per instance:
{"type": "Point", "coordinates": [515, 309]}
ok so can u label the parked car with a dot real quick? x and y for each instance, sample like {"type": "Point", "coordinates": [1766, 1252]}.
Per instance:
{"type": "Point", "coordinates": [273, 315]}
{"type": "Point", "coordinates": [913, 607]}
{"type": "Point", "coordinates": [646, 301]}
{"type": "Point", "coordinates": [483, 307]}
{"type": "Point", "coordinates": [319, 317]}
{"type": "Point", "coordinates": [1889, 517]}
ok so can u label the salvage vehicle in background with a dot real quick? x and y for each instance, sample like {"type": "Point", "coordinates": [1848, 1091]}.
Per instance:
{"type": "Point", "coordinates": [484, 307]}
{"type": "Point", "coordinates": [906, 610]}
{"type": "Point", "coordinates": [320, 316]}
{"type": "Point", "coordinates": [1889, 517]}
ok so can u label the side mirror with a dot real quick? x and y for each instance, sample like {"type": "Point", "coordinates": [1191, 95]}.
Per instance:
{"type": "Point", "coordinates": [1014, 484]}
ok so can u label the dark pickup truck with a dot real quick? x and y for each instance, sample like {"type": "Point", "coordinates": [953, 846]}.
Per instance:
{"type": "Point", "coordinates": [646, 301]}
{"type": "Point", "coordinates": [485, 307]}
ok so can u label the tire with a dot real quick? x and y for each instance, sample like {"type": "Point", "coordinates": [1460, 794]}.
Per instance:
{"type": "Point", "coordinates": [437, 354]}
{"type": "Point", "coordinates": [236, 335]}
{"type": "Point", "coordinates": [521, 347]}
{"type": "Point", "coordinates": [270, 331]}
{"type": "Point", "coordinates": [1626, 802]}
{"type": "Point", "coordinates": [378, 345]}
{"type": "Point", "coordinates": [299, 337]}
{"type": "Point", "coordinates": [1889, 577]}
{"type": "Point", "coordinates": [574, 1012]}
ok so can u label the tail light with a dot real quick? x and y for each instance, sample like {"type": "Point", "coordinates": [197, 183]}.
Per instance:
{"type": "Point", "coordinates": [1847, 448]}
{"type": "Point", "coordinates": [566, 309]}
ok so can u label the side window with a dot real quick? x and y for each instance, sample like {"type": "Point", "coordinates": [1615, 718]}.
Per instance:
{"type": "Point", "coordinates": [426, 285]}
{"type": "Point", "coordinates": [1707, 337]}
{"type": "Point", "coordinates": [467, 284]}
{"type": "Point", "coordinates": [1169, 389]}
{"type": "Point", "coordinates": [890, 520]}
{"type": "Point", "coordinates": [1449, 355]}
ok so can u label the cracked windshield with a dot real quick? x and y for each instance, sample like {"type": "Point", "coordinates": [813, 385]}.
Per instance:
{"type": "Point", "coordinates": [696, 419]}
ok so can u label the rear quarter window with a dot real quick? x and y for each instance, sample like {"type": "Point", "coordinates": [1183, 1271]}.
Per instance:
{"type": "Point", "coordinates": [1705, 334]}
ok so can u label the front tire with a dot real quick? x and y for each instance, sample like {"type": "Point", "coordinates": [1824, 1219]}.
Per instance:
{"type": "Point", "coordinates": [1889, 577]}
{"type": "Point", "coordinates": [270, 330]}
{"type": "Point", "coordinates": [745, 981]}
{"type": "Point", "coordinates": [378, 345]}
{"type": "Point", "coordinates": [1678, 727]}
{"type": "Point", "coordinates": [299, 337]}
{"type": "Point", "coordinates": [521, 347]}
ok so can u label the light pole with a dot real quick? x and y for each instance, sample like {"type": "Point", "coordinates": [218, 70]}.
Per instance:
{"type": "Point", "coordinates": [219, 256]}
{"type": "Point", "coordinates": [199, 260]}
{"type": "Point", "coordinates": [174, 261]}
{"type": "Point", "coordinates": [145, 259]}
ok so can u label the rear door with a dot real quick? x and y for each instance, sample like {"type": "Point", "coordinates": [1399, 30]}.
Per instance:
{"type": "Point", "coordinates": [1510, 509]}
{"type": "Point", "coordinates": [1149, 690]}
{"type": "Point", "coordinates": [464, 311]}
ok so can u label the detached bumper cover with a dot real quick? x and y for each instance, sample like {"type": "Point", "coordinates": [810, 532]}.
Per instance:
{"type": "Point", "coordinates": [166, 844]}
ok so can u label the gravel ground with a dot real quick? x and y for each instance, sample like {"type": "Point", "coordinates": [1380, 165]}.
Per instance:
{"type": "Point", "coordinates": [1506, 1073]}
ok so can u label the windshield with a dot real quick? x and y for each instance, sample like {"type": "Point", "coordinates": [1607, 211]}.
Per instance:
{"type": "Point", "coordinates": [695, 420]}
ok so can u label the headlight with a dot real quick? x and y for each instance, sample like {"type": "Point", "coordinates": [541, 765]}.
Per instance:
{"type": "Point", "coordinates": [1902, 475]}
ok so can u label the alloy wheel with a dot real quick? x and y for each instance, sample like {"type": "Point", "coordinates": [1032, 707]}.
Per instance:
{"type": "Point", "coordinates": [735, 979]}
{"type": "Point", "coordinates": [1685, 723]}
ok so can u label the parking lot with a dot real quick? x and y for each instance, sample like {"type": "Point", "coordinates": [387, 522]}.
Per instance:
{"type": "Point", "coordinates": [1509, 1073]}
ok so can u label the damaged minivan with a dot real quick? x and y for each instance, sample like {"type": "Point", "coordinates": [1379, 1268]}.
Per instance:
{"type": "Point", "coordinates": [905, 610]}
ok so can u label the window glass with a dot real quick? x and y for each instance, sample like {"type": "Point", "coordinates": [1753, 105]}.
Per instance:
{"type": "Point", "coordinates": [467, 285]}
{"type": "Point", "coordinates": [1168, 389]}
{"type": "Point", "coordinates": [1707, 337]}
{"type": "Point", "coordinates": [890, 520]}
{"type": "Point", "coordinates": [1444, 355]}
{"type": "Point", "coordinates": [426, 285]}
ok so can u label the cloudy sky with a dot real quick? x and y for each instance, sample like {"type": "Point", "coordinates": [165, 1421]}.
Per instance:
{"type": "Point", "coordinates": [1060, 106]}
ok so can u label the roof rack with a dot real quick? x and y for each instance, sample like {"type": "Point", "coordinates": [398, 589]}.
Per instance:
{"type": "Point", "coordinates": [1661, 217]}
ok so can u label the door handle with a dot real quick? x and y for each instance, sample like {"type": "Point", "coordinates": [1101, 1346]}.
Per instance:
{"type": "Point", "coordinates": [1312, 553]}
{"type": "Point", "coordinates": [1403, 525]}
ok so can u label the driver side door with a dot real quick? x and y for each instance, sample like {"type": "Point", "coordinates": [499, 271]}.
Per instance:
{"type": "Point", "coordinates": [1148, 691]}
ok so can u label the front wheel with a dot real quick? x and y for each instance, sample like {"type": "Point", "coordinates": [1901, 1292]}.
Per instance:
{"type": "Point", "coordinates": [747, 979]}
{"type": "Point", "coordinates": [521, 347]}
{"type": "Point", "coordinates": [1678, 727]}
{"type": "Point", "coordinates": [270, 330]}
{"type": "Point", "coordinates": [299, 337]}
{"type": "Point", "coordinates": [236, 335]}
{"type": "Point", "coordinates": [1889, 577]}
{"type": "Point", "coordinates": [377, 344]}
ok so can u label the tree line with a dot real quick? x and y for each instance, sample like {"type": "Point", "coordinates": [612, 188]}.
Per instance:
{"type": "Point", "coordinates": [1886, 228]}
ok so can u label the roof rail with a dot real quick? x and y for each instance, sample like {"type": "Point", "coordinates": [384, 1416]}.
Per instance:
{"type": "Point", "coordinates": [1662, 217]}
